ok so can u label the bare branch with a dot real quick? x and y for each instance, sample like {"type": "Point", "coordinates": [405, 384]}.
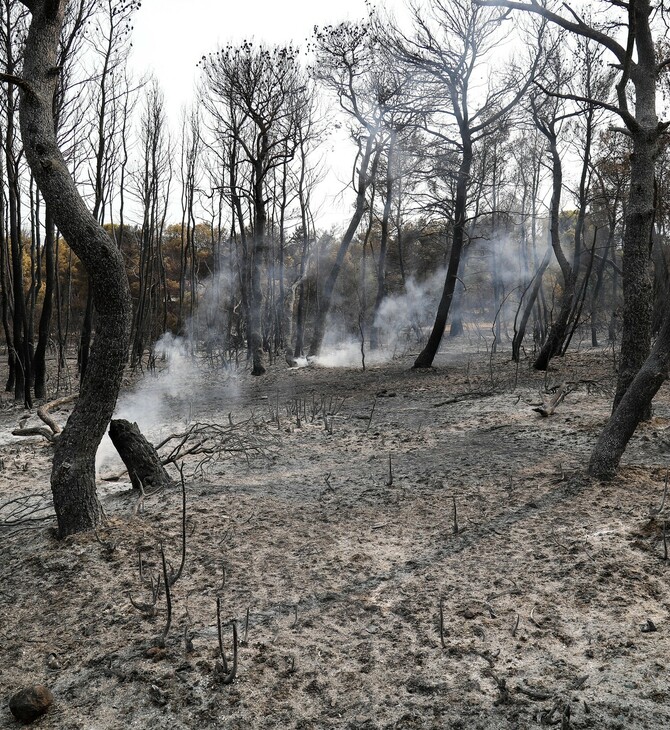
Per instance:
{"type": "Point", "coordinates": [17, 81]}
{"type": "Point", "coordinates": [576, 26]}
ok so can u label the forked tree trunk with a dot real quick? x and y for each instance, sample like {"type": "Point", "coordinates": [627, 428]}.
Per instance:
{"type": "Point", "coordinates": [73, 474]}
{"type": "Point", "coordinates": [533, 289]}
{"type": "Point", "coordinates": [632, 407]}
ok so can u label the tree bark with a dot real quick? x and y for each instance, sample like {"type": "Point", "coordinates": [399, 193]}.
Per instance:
{"type": "Point", "coordinates": [73, 475]}
{"type": "Point", "coordinates": [143, 463]}
{"type": "Point", "coordinates": [635, 402]}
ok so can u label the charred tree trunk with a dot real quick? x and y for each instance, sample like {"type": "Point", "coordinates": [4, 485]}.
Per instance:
{"type": "Point", "coordinates": [73, 474]}
{"type": "Point", "coordinates": [4, 288]}
{"type": "Point", "coordinates": [560, 328]}
{"type": "Point", "coordinates": [258, 258]}
{"type": "Point", "coordinates": [383, 244]}
{"type": "Point", "coordinates": [535, 287]}
{"type": "Point", "coordinates": [140, 457]}
{"type": "Point", "coordinates": [427, 355]}
{"type": "Point", "coordinates": [632, 407]}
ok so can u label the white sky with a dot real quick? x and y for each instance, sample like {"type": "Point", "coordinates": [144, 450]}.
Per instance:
{"type": "Point", "coordinates": [170, 36]}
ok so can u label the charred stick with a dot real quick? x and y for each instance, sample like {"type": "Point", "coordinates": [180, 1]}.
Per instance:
{"type": "Point", "coordinates": [220, 635]}
{"type": "Point", "coordinates": [168, 596]}
{"type": "Point", "coordinates": [229, 678]}
{"type": "Point", "coordinates": [665, 494]}
{"type": "Point", "coordinates": [175, 578]}
{"type": "Point", "coordinates": [444, 646]}
{"type": "Point", "coordinates": [374, 404]}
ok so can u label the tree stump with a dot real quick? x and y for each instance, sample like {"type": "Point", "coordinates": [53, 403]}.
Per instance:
{"type": "Point", "coordinates": [140, 457]}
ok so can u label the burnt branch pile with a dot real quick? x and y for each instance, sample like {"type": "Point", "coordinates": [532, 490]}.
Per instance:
{"type": "Point", "coordinates": [210, 442]}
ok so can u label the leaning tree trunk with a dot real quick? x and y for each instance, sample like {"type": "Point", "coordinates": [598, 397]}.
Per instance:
{"type": "Point", "coordinates": [633, 406]}
{"type": "Point", "coordinates": [144, 466]}
{"type": "Point", "coordinates": [73, 475]}
{"type": "Point", "coordinates": [368, 160]}
{"type": "Point", "coordinates": [427, 355]}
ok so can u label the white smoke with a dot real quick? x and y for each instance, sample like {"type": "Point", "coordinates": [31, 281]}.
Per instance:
{"type": "Point", "coordinates": [402, 322]}
{"type": "Point", "coordinates": [163, 400]}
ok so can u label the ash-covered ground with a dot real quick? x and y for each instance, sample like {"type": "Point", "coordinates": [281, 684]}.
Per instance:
{"type": "Point", "coordinates": [398, 549]}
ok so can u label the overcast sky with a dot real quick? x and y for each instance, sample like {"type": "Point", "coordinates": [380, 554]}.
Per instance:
{"type": "Point", "coordinates": [170, 36]}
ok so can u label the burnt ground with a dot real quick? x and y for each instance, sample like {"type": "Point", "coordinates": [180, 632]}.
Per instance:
{"type": "Point", "coordinates": [336, 572]}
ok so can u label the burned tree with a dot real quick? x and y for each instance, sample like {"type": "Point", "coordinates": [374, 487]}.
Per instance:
{"type": "Point", "coordinates": [639, 70]}
{"type": "Point", "coordinates": [73, 474]}
{"type": "Point", "coordinates": [348, 65]}
{"type": "Point", "coordinates": [446, 49]}
{"type": "Point", "coordinates": [252, 94]}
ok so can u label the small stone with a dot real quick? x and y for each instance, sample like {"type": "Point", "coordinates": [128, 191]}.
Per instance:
{"type": "Point", "coordinates": [156, 653]}
{"type": "Point", "coordinates": [29, 703]}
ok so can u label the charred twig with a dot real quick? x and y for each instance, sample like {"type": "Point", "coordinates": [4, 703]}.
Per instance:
{"type": "Point", "coordinates": [25, 509]}
{"type": "Point", "coordinates": [465, 396]}
{"type": "Point", "coordinates": [504, 697]}
{"type": "Point", "coordinates": [43, 412]}
{"type": "Point", "coordinates": [175, 577]}
{"type": "Point", "coordinates": [516, 625]}
{"type": "Point", "coordinates": [53, 430]}
{"type": "Point", "coordinates": [455, 528]}
{"type": "Point", "coordinates": [148, 609]}
{"type": "Point", "coordinates": [246, 627]}
{"type": "Point", "coordinates": [551, 401]}
{"type": "Point", "coordinates": [665, 540]}
{"type": "Point", "coordinates": [168, 596]}
{"type": "Point", "coordinates": [35, 431]}
{"type": "Point", "coordinates": [444, 646]}
{"type": "Point", "coordinates": [389, 482]}
{"type": "Point", "coordinates": [139, 506]}
{"type": "Point", "coordinates": [229, 675]}
{"type": "Point", "coordinates": [654, 512]}
{"type": "Point", "coordinates": [212, 441]}
{"type": "Point", "coordinates": [374, 404]}
{"type": "Point", "coordinates": [535, 694]}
